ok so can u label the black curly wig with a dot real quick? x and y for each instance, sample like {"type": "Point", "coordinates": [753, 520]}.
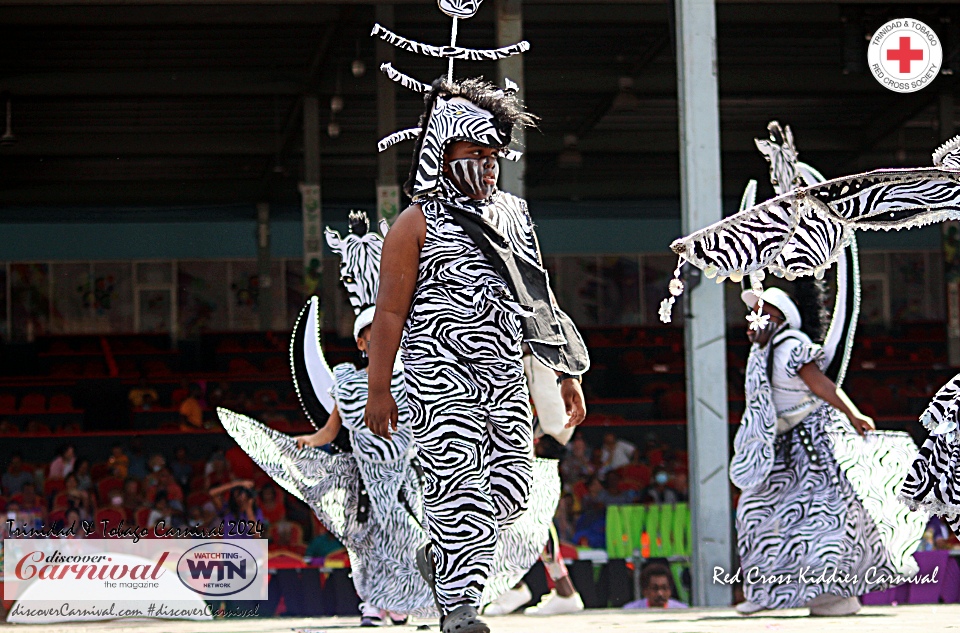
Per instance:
{"type": "Point", "coordinates": [506, 109]}
{"type": "Point", "coordinates": [810, 295]}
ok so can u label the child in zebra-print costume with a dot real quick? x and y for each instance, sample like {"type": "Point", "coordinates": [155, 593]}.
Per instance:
{"type": "Point", "coordinates": [452, 301]}
{"type": "Point", "coordinates": [368, 492]}
{"type": "Point", "coordinates": [817, 522]}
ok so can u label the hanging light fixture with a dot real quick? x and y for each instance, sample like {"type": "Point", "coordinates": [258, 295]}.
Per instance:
{"type": "Point", "coordinates": [358, 68]}
{"type": "Point", "coordinates": [8, 137]}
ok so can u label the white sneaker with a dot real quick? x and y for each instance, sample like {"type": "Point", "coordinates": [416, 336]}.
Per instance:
{"type": "Point", "coordinates": [749, 608]}
{"type": "Point", "coordinates": [838, 607]}
{"type": "Point", "coordinates": [370, 615]}
{"type": "Point", "coordinates": [553, 604]}
{"type": "Point", "coordinates": [510, 601]}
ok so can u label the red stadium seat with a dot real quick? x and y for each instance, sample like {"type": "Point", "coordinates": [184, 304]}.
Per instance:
{"type": "Point", "coordinates": [8, 403]}
{"type": "Point", "coordinates": [51, 486]}
{"type": "Point", "coordinates": [60, 403]}
{"type": "Point", "coordinates": [33, 403]}
{"type": "Point", "coordinates": [110, 515]}
{"type": "Point", "coordinates": [104, 486]}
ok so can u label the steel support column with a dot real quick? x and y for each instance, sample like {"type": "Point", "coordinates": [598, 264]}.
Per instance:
{"type": "Point", "coordinates": [705, 336]}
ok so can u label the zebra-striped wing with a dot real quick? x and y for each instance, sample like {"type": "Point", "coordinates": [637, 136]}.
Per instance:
{"type": "Point", "coordinates": [312, 378]}
{"type": "Point", "coordinates": [790, 236]}
{"type": "Point", "coordinates": [887, 199]}
{"type": "Point", "coordinates": [804, 231]}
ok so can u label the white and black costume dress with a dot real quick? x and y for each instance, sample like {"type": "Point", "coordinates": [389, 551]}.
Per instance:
{"type": "Point", "coordinates": [469, 402]}
{"type": "Point", "coordinates": [933, 483]}
{"type": "Point", "coordinates": [819, 501]}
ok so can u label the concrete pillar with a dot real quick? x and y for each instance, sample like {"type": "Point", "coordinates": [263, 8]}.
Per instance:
{"type": "Point", "coordinates": [388, 184]}
{"type": "Point", "coordinates": [705, 336]}
{"type": "Point", "coordinates": [509, 27]}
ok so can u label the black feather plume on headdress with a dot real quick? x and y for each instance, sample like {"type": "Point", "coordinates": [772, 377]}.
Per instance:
{"type": "Point", "coordinates": [810, 295]}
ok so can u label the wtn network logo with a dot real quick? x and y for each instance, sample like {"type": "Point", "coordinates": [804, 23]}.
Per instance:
{"type": "Point", "coordinates": [225, 568]}
{"type": "Point", "coordinates": [217, 568]}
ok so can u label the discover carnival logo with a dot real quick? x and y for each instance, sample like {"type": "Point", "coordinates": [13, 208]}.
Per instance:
{"type": "Point", "coordinates": [905, 55]}
{"type": "Point", "coordinates": [125, 570]}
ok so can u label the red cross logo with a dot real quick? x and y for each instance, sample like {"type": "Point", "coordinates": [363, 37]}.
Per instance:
{"type": "Point", "coordinates": [905, 54]}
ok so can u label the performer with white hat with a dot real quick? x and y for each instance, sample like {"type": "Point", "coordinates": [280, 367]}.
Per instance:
{"type": "Point", "coordinates": [818, 523]}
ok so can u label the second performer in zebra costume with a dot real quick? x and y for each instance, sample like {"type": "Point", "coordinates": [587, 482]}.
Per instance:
{"type": "Point", "coordinates": [818, 522]}
{"type": "Point", "coordinates": [819, 502]}
{"type": "Point", "coordinates": [462, 284]}
{"type": "Point", "coordinates": [368, 492]}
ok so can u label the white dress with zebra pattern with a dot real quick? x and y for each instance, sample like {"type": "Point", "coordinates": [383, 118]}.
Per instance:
{"type": "Point", "coordinates": [381, 529]}
{"type": "Point", "coordinates": [469, 403]}
{"type": "Point", "coordinates": [818, 513]}
{"type": "Point", "coordinates": [933, 483]}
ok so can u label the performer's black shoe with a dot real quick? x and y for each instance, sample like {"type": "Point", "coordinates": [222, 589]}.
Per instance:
{"type": "Point", "coordinates": [425, 566]}
{"type": "Point", "coordinates": [464, 619]}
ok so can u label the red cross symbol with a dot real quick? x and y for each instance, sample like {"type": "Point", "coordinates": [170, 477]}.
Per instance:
{"type": "Point", "coordinates": [905, 54]}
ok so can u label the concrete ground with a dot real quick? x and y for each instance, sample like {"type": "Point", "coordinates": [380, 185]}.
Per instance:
{"type": "Point", "coordinates": [916, 618]}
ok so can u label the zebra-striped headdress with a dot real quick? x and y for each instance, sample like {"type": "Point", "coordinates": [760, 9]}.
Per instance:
{"type": "Point", "coordinates": [451, 114]}
{"type": "Point", "coordinates": [359, 255]}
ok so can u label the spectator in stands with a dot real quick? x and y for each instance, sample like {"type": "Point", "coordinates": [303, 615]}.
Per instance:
{"type": "Point", "coordinates": [191, 411]}
{"type": "Point", "coordinates": [635, 475]}
{"type": "Point", "coordinates": [31, 503]}
{"type": "Point", "coordinates": [576, 465]}
{"type": "Point", "coordinates": [612, 494]}
{"type": "Point", "coordinates": [78, 499]}
{"type": "Point", "coordinates": [195, 515]}
{"type": "Point", "coordinates": [73, 521]}
{"type": "Point", "coordinates": [241, 507]}
{"type": "Point", "coordinates": [323, 543]}
{"type": "Point", "coordinates": [659, 490]}
{"type": "Point", "coordinates": [132, 497]}
{"type": "Point", "coordinates": [161, 511]}
{"type": "Point", "coordinates": [681, 485]}
{"type": "Point", "coordinates": [180, 468]}
{"type": "Point", "coordinates": [656, 588]}
{"type": "Point", "coordinates": [272, 505]}
{"type": "Point", "coordinates": [166, 484]}
{"type": "Point", "coordinates": [16, 476]}
{"type": "Point", "coordinates": [138, 459]}
{"type": "Point", "coordinates": [63, 463]}
{"type": "Point", "coordinates": [119, 462]}
{"type": "Point", "coordinates": [591, 524]}
{"type": "Point", "coordinates": [82, 471]}
{"type": "Point", "coordinates": [154, 465]}
{"type": "Point", "coordinates": [614, 453]}
{"type": "Point", "coordinates": [180, 394]}
{"type": "Point", "coordinates": [14, 514]}
{"type": "Point", "coordinates": [8, 428]}
{"type": "Point", "coordinates": [142, 396]}
{"type": "Point", "coordinates": [115, 500]}
{"type": "Point", "coordinates": [217, 470]}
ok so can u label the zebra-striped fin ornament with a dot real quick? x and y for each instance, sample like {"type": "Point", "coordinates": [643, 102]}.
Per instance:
{"type": "Point", "coordinates": [359, 253]}
{"type": "Point", "coordinates": [805, 230]}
